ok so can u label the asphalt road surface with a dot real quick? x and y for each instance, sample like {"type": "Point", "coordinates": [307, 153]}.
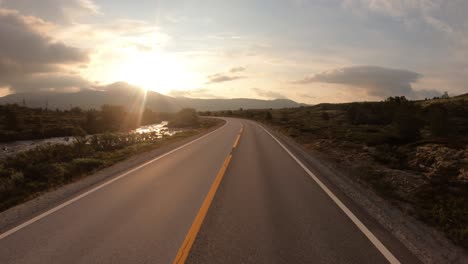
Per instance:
{"type": "Point", "coordinates": [267, 209]}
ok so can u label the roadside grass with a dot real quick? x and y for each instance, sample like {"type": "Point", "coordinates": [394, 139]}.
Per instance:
{"type": "Point", "coordinates": [47, 167]}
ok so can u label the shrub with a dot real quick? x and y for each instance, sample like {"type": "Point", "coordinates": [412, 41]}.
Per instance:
{"type": "Point", "coordinates": [84, 165]}
{"type": "Point", "coordinates": [325, 116]}
{"type": "Point", "coordinates": [408, 125]}
{"type": "Point", "coordinates": [439, 120]}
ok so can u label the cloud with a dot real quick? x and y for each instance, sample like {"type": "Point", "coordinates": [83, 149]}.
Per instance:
{"type": "Point", "coordinates": [23, 42]}
{"type": "Point", "coordinates": [217, 78]}
{"type": "Point", "coordinates": [376, 81]}
{"type": "Point", "coordinates": [128, 26]}
{"type": "Point", "coordinates": [428, 12]}
{"type": "Point", "coordinates": [58, 11]}
{"type": "Point", "coordinates": [268, 93]}
{"type": "Point", "coordinates": [115, 34]}
{"type": "Point", "coordinates": [60, 82]}
{"type": "Point", "coordinates": [231, 75]}
{"type": "Point", "coordinates": [28, 54]}
{"type": "Point", "coordinates": [237, 69]}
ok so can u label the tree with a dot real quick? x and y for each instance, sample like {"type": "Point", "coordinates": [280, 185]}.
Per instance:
{"type": "Point", "coordinates": [186, 117]}
{"type": "Point", "coordinates": [268, 116]}
{"type": "Point", "coordinates": [445, 96]}
{"type": "Point", "coordinates": [113, 117]}
{"type": "Point", "coordinates": [397, 100]}
{"type": "Point", "coordinates": [149, 117]}
{"type": "Point", "coordinates": [76, 110]}
{"type": "Point", "coordinates": [91, 124]}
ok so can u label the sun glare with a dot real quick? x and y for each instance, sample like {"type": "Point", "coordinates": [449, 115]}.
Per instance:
{"type": "Point", "coordinates": [154, 71]}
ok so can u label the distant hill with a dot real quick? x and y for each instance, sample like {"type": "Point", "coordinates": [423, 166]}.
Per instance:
{"type": "Point", "coordinates": [458, 98]}
{"type": "Point", "coordinates": [462, 96]}
{"type": "Point", "coordinates": [133, 97]}
{"type": "Point", "coordinates": [235, 103]}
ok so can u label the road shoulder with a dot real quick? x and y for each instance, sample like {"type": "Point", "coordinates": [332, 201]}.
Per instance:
{"type": "Point", "coordinates": [427, 244]}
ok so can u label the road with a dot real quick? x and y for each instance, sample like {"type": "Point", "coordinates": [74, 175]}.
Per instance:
{"type": "Point", "coordinates": [266, 209]}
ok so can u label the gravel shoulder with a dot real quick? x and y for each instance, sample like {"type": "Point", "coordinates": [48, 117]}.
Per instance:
{"type": "Point", "coordinates": [23, 212]}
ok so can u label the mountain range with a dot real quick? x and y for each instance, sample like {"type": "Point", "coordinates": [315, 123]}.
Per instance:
{"type": "Point", "coordinates": [133, 97]}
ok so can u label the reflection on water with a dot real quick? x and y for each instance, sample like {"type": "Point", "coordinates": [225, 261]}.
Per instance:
{"type": "Point", "coordinates": [160, 129]}
{"type": "Point", "coordinates": [14, 147]}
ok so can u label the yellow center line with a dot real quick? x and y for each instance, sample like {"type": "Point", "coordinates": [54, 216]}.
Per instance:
{"type": "Point", "coordinates": [184, 250]}
{"type": "Point", "coordinates": [238, 138]}
{"type": "Point", "coordinates": [237, 141]}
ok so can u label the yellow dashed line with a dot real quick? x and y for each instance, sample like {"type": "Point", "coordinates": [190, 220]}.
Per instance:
{"type": "Point", "coordinates": [237, 141]}
{"type": "Point", "coordinates": [238, 138]}
{"type": "Point", "coordinates": [184, 250]}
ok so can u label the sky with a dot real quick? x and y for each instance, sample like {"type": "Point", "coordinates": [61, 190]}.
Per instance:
{"type": "Point", "coordinates": [310, 51]}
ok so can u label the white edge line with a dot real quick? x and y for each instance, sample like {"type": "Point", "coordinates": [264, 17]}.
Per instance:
{"type": "Point", "coordinates": [60, 206]}
{"type": "Point", "coordinates": [385, 252]}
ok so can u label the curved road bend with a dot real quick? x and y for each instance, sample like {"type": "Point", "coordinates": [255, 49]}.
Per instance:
{"type": "Point", "coordinates": [267, 210]}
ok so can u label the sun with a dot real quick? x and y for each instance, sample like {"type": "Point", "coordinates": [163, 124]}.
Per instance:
{"type": "Point", "coordinates": [154, 71]}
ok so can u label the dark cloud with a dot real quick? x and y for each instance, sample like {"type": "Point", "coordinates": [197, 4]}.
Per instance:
{"type": "Point", "coordinates": [221, 77]}
{"type": "Point", "coordinates": [23, 42]}
{"type": "Point", "coordinates": [377, 81]}
{"type": "Point", "coordinates": [49, 82]}
{"type": "Point", "coordinates": [268, 93]}
{"type": "Point", "coordinates": [237, 69]}
{"type": "Point", "coordinates": [58, 11]}
{"type": "Point", "coordinates": [29, 58]}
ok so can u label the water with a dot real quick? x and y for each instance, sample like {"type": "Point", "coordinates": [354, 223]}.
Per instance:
{"type": "Point", "coordinates": [11, 148]}
{"type": "Point", "coordinates": [161, 129]}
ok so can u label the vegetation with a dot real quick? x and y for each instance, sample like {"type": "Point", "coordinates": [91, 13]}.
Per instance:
{"type": "Point", "coordinates": [29, 173]}
{"type": "Point", "coordinates": [23, 123]}
{"type": "Point", "coordinates": [414, 153]}
{"type": "Point", "coordinates": [187, 117]}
